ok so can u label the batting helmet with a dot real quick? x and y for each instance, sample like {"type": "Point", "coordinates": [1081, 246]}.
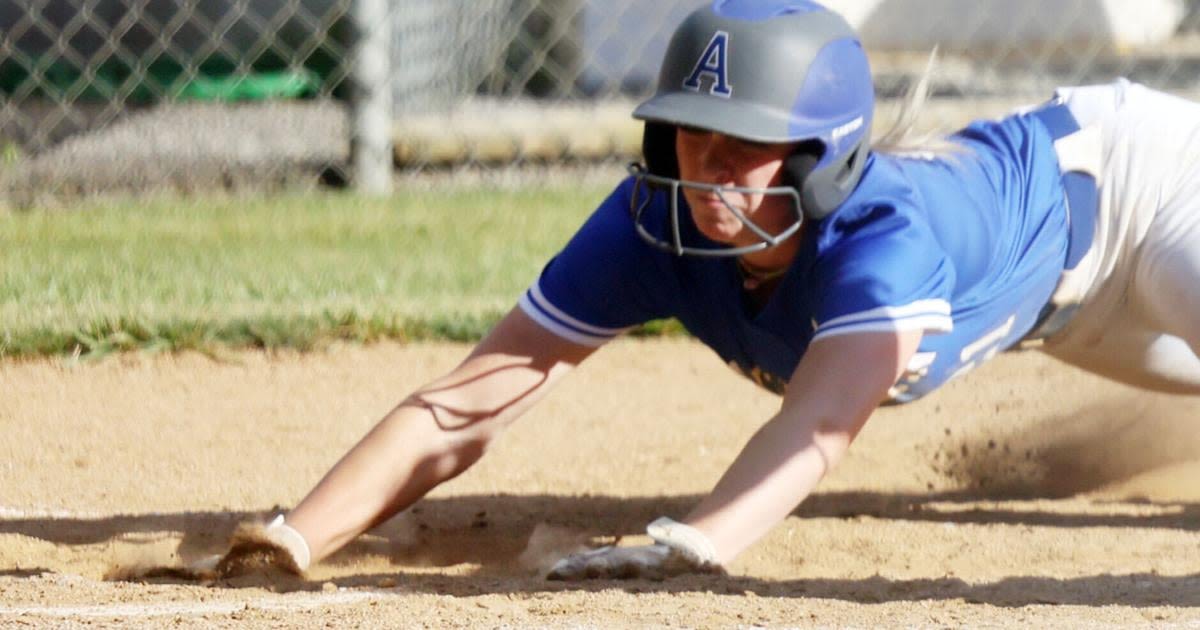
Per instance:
{"type": "Point", "coordinates": [780, 71]}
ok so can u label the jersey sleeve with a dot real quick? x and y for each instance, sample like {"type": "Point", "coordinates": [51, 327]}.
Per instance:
{"type": "Point", "coordinates": [604, 282]}
{"type": "Point", "coordinates": [881, 270]}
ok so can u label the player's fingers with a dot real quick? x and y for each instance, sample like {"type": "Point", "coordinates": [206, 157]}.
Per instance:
{"type": "Point", "coordinates": [613, 563]}
{"type": "Point", "coordinates": [578, 566]}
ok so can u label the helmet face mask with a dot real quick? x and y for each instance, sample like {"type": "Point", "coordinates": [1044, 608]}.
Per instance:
{"type": "Point", "coordinates": [776, 71]}
{"type": "Point", "coordinates": [647, 184]}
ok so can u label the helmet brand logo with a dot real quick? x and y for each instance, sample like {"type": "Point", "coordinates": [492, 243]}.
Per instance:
{"type": "Point", "coordinates": [847, 129]}
{"type": "Point", "coordinates": [714, 64]}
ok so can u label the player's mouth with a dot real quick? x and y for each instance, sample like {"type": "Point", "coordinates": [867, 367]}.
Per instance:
{"type": "Point", "coordinates": [715, 219]}
{"type": "Point", "coordinates": [715, 202]}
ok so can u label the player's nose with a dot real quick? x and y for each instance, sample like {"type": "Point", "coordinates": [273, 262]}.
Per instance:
{"type": "Point", "coordinates": [716, 160]}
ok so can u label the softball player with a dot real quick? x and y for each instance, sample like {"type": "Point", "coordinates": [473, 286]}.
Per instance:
{"type": "Point", "coordinates": [836, 274]}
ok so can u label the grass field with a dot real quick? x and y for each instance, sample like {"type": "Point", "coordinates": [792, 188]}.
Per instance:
{"type": "Point", "coordinates": [293, 271]}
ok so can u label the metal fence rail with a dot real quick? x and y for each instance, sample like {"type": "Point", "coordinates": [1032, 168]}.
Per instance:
{"type": "Point", "coordinates": [102, 95]}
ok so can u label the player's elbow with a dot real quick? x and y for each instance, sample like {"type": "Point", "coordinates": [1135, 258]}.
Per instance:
{"type": "Point", "coordinates": [831, 432]}
{"type": "Point", "coordinates": [453, 458]}
{"type": "Point", "coordinates": [448, 443]}
{"type": "Point", "coordinates": [833, 437]}
{"type": "Point", "coordinates": [830, 414]}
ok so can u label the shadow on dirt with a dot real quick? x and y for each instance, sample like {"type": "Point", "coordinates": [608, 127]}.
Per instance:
{"type": "Point", "coordinates": [506, 520]}
{"type": "Point", "coordinates": [492, 532]}
{"type": "Point", "coordinates": [1137, 590]}
{"type": "Point", "coordinates": [23, 573]}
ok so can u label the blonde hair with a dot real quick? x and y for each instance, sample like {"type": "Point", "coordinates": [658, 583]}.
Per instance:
{"type": "Point", "coordinates": [903, 138]}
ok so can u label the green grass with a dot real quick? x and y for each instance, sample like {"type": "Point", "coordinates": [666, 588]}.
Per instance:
{"type": "Point", "coordinates": [9, 154]}
{"type": "Point", "coordinates": [294, 272]}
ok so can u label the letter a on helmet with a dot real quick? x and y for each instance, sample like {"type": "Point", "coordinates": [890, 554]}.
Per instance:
{"type": "Point", "coordinates": [713, 63]}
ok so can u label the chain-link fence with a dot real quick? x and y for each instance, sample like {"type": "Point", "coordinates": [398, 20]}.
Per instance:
{"type": "Point", "coordinates": [100, 95]}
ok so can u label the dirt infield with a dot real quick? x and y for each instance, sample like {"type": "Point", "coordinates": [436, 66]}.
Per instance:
{"type": "Point", "coordinates": [1027, 494]}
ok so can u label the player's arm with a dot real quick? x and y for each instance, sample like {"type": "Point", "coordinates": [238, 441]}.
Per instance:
{"type": "Point", "coordinates": [434, 434]}
{"type": "Point", "coordinates": [835, 388]}
{"type": "Point", "coordinates": [837, 385]}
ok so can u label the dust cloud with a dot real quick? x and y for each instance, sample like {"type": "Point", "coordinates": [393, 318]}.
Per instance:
{"type": "Point", "coordinates": [1126, 447]}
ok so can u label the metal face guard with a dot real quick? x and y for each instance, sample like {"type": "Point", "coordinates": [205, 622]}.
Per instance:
{"type": "Point", "coordinates": [675, 245]}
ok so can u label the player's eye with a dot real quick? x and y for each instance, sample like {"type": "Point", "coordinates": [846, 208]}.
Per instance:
{"type": "Point", "coordinates": [754, 145]}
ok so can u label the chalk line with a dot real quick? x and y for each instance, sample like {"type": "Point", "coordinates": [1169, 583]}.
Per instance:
{"type": "Point", "coordinates": [280, 603]}
{"type": "Point", "coordinates": [283, 603]}
{"type": "Point", "coordinates": [24, 513]}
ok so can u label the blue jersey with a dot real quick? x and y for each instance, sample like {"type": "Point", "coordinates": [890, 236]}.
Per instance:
{"type": "Point", "coordinates": [966, 247]}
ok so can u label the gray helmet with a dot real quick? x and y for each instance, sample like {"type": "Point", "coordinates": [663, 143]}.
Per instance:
{"type": "Point", "coordinates": [786, 71]}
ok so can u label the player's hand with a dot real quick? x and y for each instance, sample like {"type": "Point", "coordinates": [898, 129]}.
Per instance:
{"type": "Point", "coordinates": [677, 550]}
{"type": "Point", "coordinates": [650, 562]}
{"type": "Point", "coordinates": [257, 548]}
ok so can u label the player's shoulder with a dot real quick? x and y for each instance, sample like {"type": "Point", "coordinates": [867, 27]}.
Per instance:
{"type": "Point", "coordinates": [634, 201]}
{"type": "Point", "coordinates": [884, 196]}
{"type": "Point", "coordinates": [613, 218]}
{"type": "Point", "coordinates": [1016, 129]}
{"type": "Point", "coordinates": [617, 204]}
{"type": "Point", "coordinates": [610, 232]}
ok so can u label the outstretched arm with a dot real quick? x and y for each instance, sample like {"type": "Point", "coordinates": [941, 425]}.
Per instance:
{"type": "Point", "coordinates": [434, 434]}
{"type": "Point", "coordinates": [835, 388]}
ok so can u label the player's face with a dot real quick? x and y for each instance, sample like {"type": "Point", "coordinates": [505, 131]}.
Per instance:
{"type": "Point", "coordinates": [708, 157]}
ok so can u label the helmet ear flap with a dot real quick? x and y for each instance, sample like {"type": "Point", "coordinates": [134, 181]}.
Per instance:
{"type": "Point", "coordinates": [658, 147]}
{"type": "Point", "coordinates": [798, 166]}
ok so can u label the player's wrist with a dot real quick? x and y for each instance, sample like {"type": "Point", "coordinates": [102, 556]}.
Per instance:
{"type": "Point", "coordinates": [684, 539]}
{"type": "Point", "coordinates": [286, 537]}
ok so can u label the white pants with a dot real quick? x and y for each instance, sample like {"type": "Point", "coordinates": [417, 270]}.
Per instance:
{"type": "Point", "coordinates": [1139, 321]}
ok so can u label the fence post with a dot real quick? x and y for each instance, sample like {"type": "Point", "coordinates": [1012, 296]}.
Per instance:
{"type": "Point", "coordinates": [371, 153]}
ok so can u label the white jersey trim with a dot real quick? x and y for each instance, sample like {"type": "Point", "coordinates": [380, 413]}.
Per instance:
{"type": "Point", "coordinates": [927, 315]}
{"type": "Point", "coordinates": [552, 318]}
